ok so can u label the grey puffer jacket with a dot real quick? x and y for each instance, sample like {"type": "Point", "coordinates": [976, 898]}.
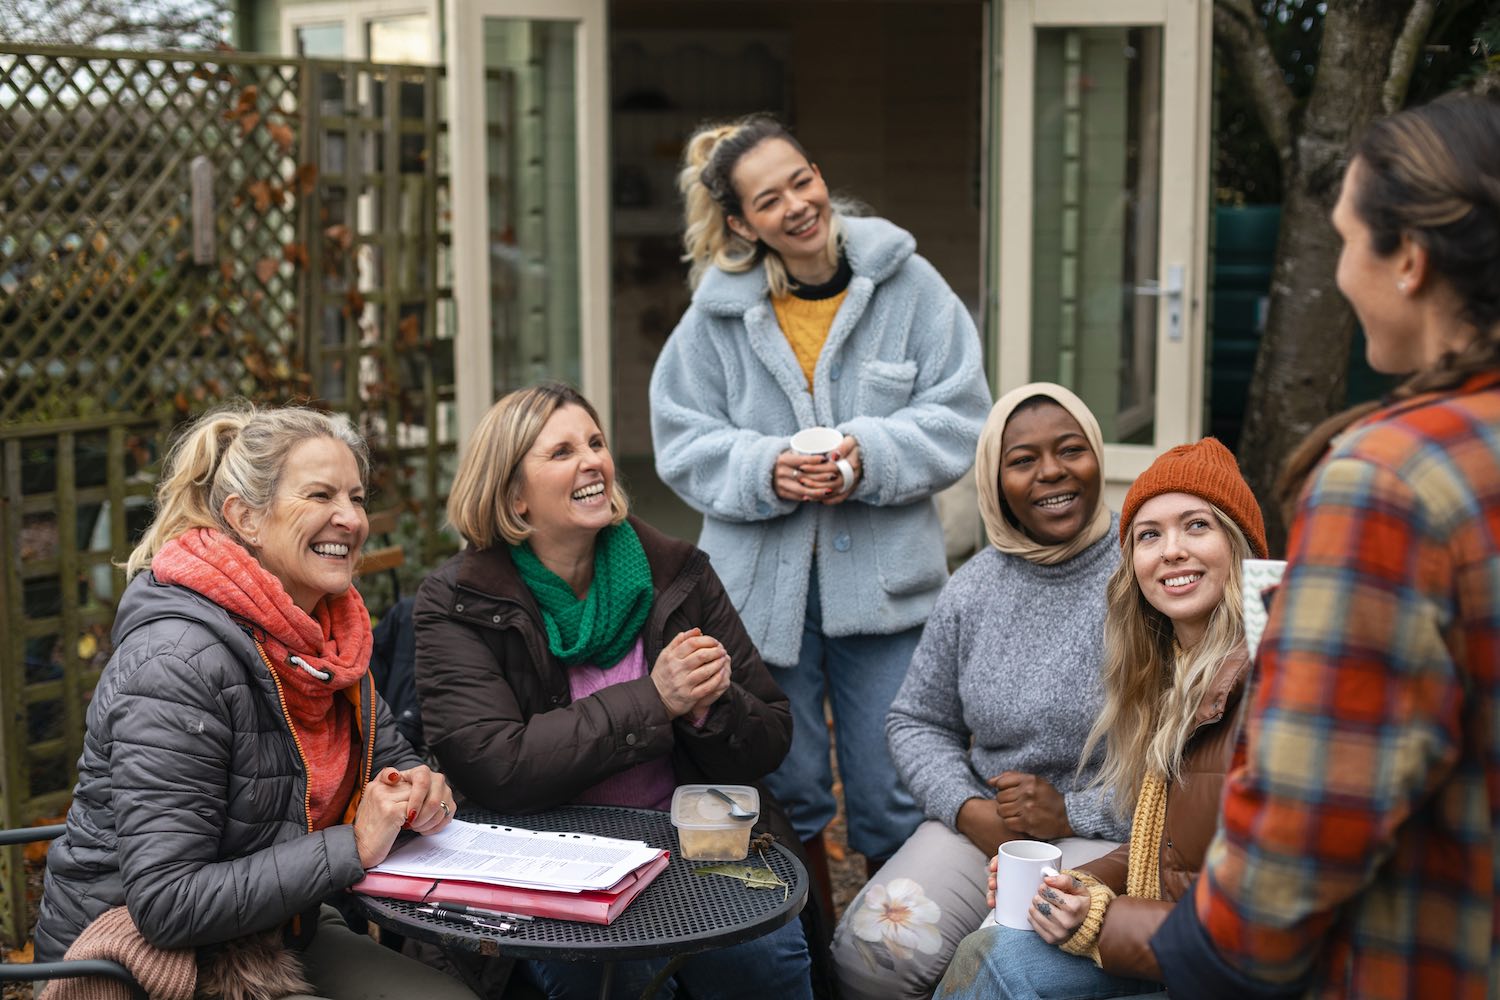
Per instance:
{"type": "Point", "coordinates": [191, 804]}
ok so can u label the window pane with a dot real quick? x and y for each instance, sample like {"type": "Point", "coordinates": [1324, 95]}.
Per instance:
{"type": "Point", "coordinates": [321, 41]}
{"type": "Point", "coordinates": [1097, 208]}
{"type": "Point", "coordinates": [531, 138]}
{"type": "Point", "coordinates": [400, 39]}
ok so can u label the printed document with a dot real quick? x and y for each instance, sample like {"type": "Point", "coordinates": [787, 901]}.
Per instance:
{"type": "Point", "coordinates": [507, 855]}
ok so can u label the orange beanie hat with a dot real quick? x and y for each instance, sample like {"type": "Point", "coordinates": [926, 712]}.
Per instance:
{"type": "Point", "coordinates": [1205, 469]}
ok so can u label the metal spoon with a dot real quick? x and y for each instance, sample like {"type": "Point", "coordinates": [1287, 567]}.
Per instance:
{"type": "Point", "coordinates": [736, 811]}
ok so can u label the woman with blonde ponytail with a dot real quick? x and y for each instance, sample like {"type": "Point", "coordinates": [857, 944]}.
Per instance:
{"type": "Point", "coordinates": [1175, 672]}
{"type": "Point", "coordinates": [804, 317]}
{"type": "Point", "coordinates": [1357, 855]}
{"type": "Point", "coordinates": [238, 767]}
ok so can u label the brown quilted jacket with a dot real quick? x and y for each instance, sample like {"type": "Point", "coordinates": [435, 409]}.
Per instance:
{"type": "Point", "coordinates": [1192, 815]}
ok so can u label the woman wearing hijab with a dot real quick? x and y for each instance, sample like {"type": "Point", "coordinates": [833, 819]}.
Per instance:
{"type": "Point", "coordinates": [1018, 629]}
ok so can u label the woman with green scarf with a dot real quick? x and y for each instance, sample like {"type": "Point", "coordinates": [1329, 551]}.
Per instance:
{"type": "Point", "coordinates": [573, 654]}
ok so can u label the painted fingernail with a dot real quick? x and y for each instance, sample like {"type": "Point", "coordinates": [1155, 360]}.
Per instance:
{"type": "Point", "coordinates": [411, 816]}
{"type": "Point", "coordinates": [392, 778]}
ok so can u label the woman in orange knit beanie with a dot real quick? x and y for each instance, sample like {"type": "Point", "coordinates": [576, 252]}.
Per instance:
{"type": "Point", "coordinates": [1174, 672]}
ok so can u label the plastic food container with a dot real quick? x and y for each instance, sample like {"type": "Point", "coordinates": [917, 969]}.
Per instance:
{"type": "Point", "coordinates": [705, 830]}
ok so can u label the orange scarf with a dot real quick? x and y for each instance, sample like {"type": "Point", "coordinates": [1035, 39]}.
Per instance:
{"type": "Point", "coordinates": [336, 644]}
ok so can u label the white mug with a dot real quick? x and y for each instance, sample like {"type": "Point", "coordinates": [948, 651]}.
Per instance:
{"type": "Point", "coordinates": [1019, 873]}
{"type": "Point", "coordinates": [824, 441]}
{"type": "Point", "coordinates": [1257, 576]}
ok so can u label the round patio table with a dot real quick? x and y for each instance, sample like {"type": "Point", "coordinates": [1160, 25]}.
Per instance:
{"type": "Point", "coordinates": [678, 915]}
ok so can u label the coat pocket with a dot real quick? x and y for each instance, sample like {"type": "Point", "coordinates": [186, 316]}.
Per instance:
{"type": "Point", "coordinates": [885, 387]}
{"type": "Point", "coordinates": [734, 550]}
{"type": "Point", "coordinates": [909, 551]}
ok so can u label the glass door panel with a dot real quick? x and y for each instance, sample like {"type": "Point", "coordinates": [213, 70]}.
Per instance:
{"type": "Point", "coordinates": [1104, 108]}
{"type": "Point", "coordinates": [1096, 219]}
{"type": "Point", "coordinates": [531, 158]}
{"type": "Point", "coordinates": [528, 115]}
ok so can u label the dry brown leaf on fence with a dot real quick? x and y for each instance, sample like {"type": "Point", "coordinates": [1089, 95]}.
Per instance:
{"type": "Point", "coordinates": [409, 331]}
{"type": "Point", "coordinates": [261, 192]}
{"type": "Point", "coordinates": [294, 254]}
{"type": "Point", "coordinates": [340, 234]}
{"type": "Point", "coordinates": [265, 269]}
{"type": "Point", "coordinates": [354, 304]}
{"type": "Point", "coordinates": [307, 177]}
{"type": "Point", "coordinates": [19, 956]}
{"type": "Point", "coordinates": [248, 122]}
{"type": "Point", "coordinates": [281, 135]}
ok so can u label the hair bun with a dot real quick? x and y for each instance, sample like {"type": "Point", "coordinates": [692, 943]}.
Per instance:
{"type": "Point", "coordinates": [701, 146]}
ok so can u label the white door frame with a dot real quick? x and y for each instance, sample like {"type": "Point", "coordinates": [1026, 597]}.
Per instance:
{"type": "Point", "coordinates": [1183, 239]}
{"type": "Point", "coordinates": [466, 136]}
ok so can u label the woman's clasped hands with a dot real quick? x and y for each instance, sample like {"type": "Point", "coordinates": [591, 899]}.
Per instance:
{"type": "Point", "coordinates": [417, 799]}
{"type": "Point", "coordinates": [1030, 805]}
{"type": "Point", "coordinates": [802, 478]}
{"type": "Point", "coordinates": [1058, 909]}
{"type": "Point", "coordinates": [691, 673]}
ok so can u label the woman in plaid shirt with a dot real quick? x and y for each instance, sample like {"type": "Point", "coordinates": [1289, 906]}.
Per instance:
{"type": "Point", "coordinates": [1359, 852]}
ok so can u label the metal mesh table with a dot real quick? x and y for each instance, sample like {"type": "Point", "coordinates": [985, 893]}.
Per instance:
{"type": "Point", "coordinates": [678, 914]}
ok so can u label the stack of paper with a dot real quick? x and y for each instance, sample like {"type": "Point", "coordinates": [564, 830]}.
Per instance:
{"type": "Point", "coordinates": [570, 876]}
{"type": "Point", "coordinates": [506, 855]}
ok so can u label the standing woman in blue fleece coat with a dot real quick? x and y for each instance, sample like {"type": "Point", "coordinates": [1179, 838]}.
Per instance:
{"type": "Point", "coordinates": [805, 317]}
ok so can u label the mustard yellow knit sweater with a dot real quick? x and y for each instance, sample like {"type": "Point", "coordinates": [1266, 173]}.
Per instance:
{"type": "Point", "coordinates": [806, 323]}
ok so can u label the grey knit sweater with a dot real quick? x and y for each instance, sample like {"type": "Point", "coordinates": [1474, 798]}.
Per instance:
{"type": "Point", "coordinates": [1006, 678]}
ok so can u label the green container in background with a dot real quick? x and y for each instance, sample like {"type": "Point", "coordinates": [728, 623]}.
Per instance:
{"type": "Point", "coordinates": [1244, 254]}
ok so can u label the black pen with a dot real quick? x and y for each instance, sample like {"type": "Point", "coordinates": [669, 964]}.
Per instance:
{"type": "Point", "coordinates": [478, 911]}
{"type": "Point", "coordinates": [466, 918]}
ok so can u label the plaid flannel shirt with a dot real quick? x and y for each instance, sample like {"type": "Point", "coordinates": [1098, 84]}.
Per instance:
{"type": "Point", "coordinates": [1357, 855]}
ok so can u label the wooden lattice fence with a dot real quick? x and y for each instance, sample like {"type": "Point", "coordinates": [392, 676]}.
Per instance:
{"type": "Point", "coordinates": [321, 271]}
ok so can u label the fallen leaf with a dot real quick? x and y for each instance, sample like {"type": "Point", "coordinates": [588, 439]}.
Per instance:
{"type": "Point", "coordinates": [19, 956]}
{"type": "Point", "coordinates": [265, 269]}
{"type": "Point", "coordinates": [307, 177]}
{"type": "Point", "coordinates": [261, 192]}
{"type": "Point", "coordinates": [281, 135]}
{"type": "Point", "coordinates": [750, 875]}
{"type": "Point", "coordinates": [341, 235]}
{"type": "Point", "coordinates": [248, 122]}
{"type": "Point", "coordinates": [409, 331]}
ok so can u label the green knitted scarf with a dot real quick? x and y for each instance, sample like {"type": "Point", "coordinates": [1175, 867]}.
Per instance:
{"type": "Point", "coordinates": [600, 629]}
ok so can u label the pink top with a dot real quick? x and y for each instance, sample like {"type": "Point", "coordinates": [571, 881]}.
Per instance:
{"type": "Point", "coordinates": [646, 786]}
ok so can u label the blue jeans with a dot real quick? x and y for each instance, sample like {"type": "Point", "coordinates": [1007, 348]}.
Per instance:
{"type": "Point", "coordinates": [860, 674]}
{"type": "Point", "coordinates": [1001, 963]}
{"type": "Point", "coordinates": [776, 965]}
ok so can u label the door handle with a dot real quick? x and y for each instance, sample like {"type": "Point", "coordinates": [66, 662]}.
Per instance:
{"type": "Point", "coordinates": [1170, 293]}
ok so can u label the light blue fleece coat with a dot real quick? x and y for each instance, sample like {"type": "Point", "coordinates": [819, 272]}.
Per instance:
{"type": "Point", "coordinates": [900, 372]}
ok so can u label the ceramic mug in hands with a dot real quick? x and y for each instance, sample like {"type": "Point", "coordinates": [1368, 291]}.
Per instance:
{"type": "Point", "coordinates": [1022, 865]}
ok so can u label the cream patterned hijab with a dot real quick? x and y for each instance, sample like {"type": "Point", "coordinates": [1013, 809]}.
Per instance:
{"type": "Point", "coordinates": [1005, 536]}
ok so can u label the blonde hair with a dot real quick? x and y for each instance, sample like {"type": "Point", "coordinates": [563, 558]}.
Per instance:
{"type": "Point", "coordinates": [710, 200]}
{"type": "Point", "coordinates": [482, 502]}
{"type": "Point", "coordinates": [1152, 693]}
{"type": "Point", "coordinates": [235, 450]}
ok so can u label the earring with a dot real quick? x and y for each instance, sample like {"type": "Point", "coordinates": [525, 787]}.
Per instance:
{"type": "Point", "coordinates": [1401, 286]}
{"type": "Point", "coordinates": [255, 541]}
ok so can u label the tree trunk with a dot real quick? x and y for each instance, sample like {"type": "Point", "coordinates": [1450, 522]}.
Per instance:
{"type": "Point", "coordinates": [1300, 370]}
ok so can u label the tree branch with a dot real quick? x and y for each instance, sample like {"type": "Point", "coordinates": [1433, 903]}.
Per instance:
{"type": "Point", "coordinates": [1404, 54]}
{"type": "Point", "coordinates": [1237, 26]}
